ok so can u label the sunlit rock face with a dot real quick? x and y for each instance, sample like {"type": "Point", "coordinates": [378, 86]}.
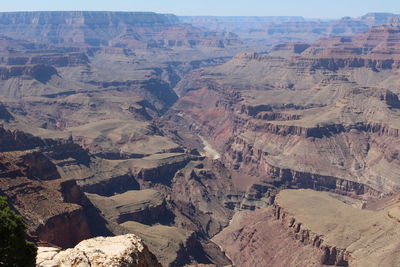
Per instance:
{"type": "Point", "coordinates": [126, 250]}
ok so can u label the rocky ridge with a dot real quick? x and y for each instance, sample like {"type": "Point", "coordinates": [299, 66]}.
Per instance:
{"type": "Point", "coordinates": [338, 251]}
{"type": "Point", "coordinates": [50, 205]}
{"type": "Point", "coordinates": [320, 225]}
{"type": "Point", "coordinates": [269, 31]}
{"type": "Point", "coordinates": [118, 29]}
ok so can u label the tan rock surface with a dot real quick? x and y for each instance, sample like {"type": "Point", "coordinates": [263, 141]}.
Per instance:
{"type": "Point", "coordinates": [371, 237]}
{"type": "Point", "coordinates": [118, 251]}
{"type": "Point", "coordinates": [145, 206]}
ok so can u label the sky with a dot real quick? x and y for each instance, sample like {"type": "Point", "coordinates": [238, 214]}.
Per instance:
{"type": "Point", "coordinates": [305, 8]}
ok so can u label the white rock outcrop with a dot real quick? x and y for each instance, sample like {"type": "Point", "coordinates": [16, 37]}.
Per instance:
{"type": "Point", "coordinates": [119, 251]}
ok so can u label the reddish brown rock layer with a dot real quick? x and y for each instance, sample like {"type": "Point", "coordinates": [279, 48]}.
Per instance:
{"type": "Point", "coordinates": [258, 239]}
{"type": "Point", "coordinates": [55, 210]}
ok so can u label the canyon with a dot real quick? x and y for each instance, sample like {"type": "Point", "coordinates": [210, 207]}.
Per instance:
{"type": "Point", "coordinates": [275, 30]}
{"type": "Point", "coordinates": [190, 141]}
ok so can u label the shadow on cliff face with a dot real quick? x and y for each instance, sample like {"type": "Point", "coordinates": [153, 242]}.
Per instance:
{"type": "Point", "coordinates": [43, 73]}
{"type": "Point", "coordinates": [4, 114]}
{"type": "Point", "coordinates": [150, 216]}
{"type": "Point", "coordinates": [112, 186]}
{"type": "Point", "coordinates": [67, 150]}
{"type": "Point", "coordinates": [162, 91]}
{"type": "Point", "coordinates": [97, 224]}
{"type": "Point", "coordinates": [196, 251]}
{"type": "Point", "coordinates": [72, 193]}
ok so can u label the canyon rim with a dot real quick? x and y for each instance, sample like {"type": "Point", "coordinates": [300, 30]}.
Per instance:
{"type": "Point", "coordinates": [150, 139]}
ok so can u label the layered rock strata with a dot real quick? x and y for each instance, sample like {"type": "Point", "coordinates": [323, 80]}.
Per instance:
{"type": "Point", "coordinates": [347, 235]}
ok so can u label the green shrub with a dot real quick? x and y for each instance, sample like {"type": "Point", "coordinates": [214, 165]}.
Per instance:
{"type": "Point", "coordinates": [15, 251]}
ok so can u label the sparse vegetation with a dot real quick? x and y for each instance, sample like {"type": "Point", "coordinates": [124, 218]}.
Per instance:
{"type": "Point", "coordinates": [15, 251]}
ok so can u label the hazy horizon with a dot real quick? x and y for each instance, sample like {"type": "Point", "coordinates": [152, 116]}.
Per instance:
{"type": "Point", "coordinates": [306, 8]}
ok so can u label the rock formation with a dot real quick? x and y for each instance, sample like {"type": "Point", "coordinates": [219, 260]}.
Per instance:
{"type": "Point", "coordinates": [119, 123]}
{"type": "Point", "coordinates": [272, 30]}
{"type": "Point", "coordinates": [305, 109]}
{"type": "Point", "coordinates": [127, 250]}
{"type": "Point", "coordinates": [51, 206]}
{"type": "Point", "coordinates": [120, 29]}
{"type": "Point", "coordinates": [255, 238]}
{"type": "Point", "coordinates": [343, 242]}
{"type": "Point", "coordinates": [331, 229]}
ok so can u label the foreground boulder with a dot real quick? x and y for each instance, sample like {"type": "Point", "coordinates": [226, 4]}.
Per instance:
{"type": "Point", "coordinates": [125, 251]}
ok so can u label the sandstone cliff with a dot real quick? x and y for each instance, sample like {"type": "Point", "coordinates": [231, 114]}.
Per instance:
{"type": "Point", "coordinates": [323, 220]}
{"type": "Point", "coordinates": [315, 229]}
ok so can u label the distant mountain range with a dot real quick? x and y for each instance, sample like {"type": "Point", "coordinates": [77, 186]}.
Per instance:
{"type": "Point", "coordinates": [279, 28]}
